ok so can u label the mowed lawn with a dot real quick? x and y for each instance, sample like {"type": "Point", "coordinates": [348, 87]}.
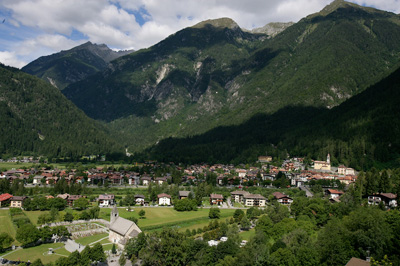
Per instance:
{"type": "Point", "coordinates": [6, 225]}
{"type": "Point", "coordinates": [34, 253]}
{"type": "Point", "coordinates": [159, 216]}
{"type": "Point", "coordinates": [34, 215]}
{"type": "Point", "coordinates": [246, 235]}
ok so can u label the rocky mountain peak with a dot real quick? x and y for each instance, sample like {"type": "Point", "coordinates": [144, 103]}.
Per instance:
{"type": "Point", "coordinates": [218, 23]}
{"type": "Point", "coordinates": [273, 28]}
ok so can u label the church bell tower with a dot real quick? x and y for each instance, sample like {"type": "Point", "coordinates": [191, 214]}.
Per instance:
{"type": "Point", "coordinates": [114, 214]}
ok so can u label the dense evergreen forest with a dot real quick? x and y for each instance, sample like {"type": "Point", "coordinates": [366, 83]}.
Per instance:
{"type": "Point", "coordinates": [36, 118]}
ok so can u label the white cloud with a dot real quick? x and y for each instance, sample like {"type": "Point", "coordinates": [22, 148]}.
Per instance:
{"type": "Point", "coordinates": [10, 59]}
{"type": "Point", "coordinates": [56, 22]}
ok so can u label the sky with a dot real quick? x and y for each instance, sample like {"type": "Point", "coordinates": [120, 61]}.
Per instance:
{"type": "Point", "coordinates": [33, 28]}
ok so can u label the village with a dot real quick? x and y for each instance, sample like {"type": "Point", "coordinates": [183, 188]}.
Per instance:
{"type": "Point", "coordinates": [298, 175]}
{"type": "Point", "coordinates": [124, 195]}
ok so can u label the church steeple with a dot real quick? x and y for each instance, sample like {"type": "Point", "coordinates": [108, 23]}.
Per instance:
{"type": "Point", "coordinates": [328, 158]}
{"type": "Point", "coordinates": [114, 214]}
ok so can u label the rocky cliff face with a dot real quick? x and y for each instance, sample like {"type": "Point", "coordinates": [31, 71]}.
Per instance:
{"type": "Point", "coordinates": [273, 28]}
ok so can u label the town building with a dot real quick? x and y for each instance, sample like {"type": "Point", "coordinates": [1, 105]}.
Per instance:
{"type": "Point", "coordinates": [216, 199]}
{"type": "Point", "coordinates": [164, 199]}
{"type": "Point", "coordinates": [264, 159]}
{"type": "Point", "coordinates": [139, 199]}
{"type": "Point", "coordinates": [388, 199]}
{"type": "Point", "coordinates": [184, 194]}
{"type": "Point", "coordinates": [238, 195]}
{"type": "Point", "coordinates": [254, 200]}
{"type": "Point", "coordinates": [323, 165]}
{"type": "Point", "coordinates": [121, 229]}
{"type": "Point", "coordinates": [5, 199]}
{"type": "Point", "coordinates": [106, 200]}
{"type": "Point", "coordinates": [282, 198]}
{"type": "Point", "coordinates": [333, 193]}
{"type": "Point", "coordinates": [17, 201]}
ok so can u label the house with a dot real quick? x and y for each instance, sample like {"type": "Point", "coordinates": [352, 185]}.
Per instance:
{"type": "Point", "coordinates": [5, 199]}
{"type": "Point", "coordinates": [342, 169]}
{"type": "Point", "coordinates": [264, 159]}
{"type": "Point", "coordinates": [160, 180]}
{"type": "Point", "coordinates": [357, 262]}
{"type": "Point", "coordinates": [255, 200]}
{"type": "Point", "coordinates": [106, 200]}
{"type": "Point", "coordinates": [17, 201]}
{"type": "Point", "coordinates": [323, 165]}
{"type": "Point", "coordinates": [37, 180]}
{"type": "Point", "coordinates": [139, 199]}
{"type": "Point", "coordinates": [216, 199]}
{"type": "Point", "coordinates": [282, 198]}
{"type": "Point", "coordinates": [238, 196]}
{"type": "Point", "coordinates": [72, 198]}
{"type": "Point", "coordinates": [350, 171]}
{"type": "Point", "coordinates": [333, 193]}
{"type": "Point", "coordinates": [389, 199]}
{"type": "Point", "coordinates": [184, 194]}
{"type": "Point", "coordinates": [63, 196]}
{"type": "Point", "coordinates": [164, 199]}
{"type": "Point", "coordinates": [241, 173]}
{"type": "Point", "coordinates": [121, 229]}
{"type": "Point", "coordinates": [116, 179]}
{"type": "Point", "coordinates": [145, 180]}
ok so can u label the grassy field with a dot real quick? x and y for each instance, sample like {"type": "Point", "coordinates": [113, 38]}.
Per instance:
{"type": "Point", "coordinates": [90, 239]}
{"type": "Point", "coordinates": [34, 215]}
{"type": "Point", "coordinates": [9, 166]}
{"type": "Point", "coordinates": [157, 217]}
{"type": "Point", "coordinates": [246, 235]}
{"type": "Point", "coordinates": [6, 224]}
{"type": "Point", "coordinates": [33, 253]}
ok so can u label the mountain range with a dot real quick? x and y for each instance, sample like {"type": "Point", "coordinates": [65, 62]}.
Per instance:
{"type": "Point", "coordinates": [66, 67]}
{"type": "Point", "coordinates": [215, 73]}
{"type": "Point", "coordinates": [271, 84]}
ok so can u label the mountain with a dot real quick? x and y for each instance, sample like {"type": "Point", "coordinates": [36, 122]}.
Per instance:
{"type": "Point", "coordinates": [273, 28]}
{"type": "Point", "coordinates": [35, 118]}
{"type": "Point", "coordinates": [66, 67]}
{"type": "Point", "coordinates": [216, 74]}
{"type": "Point", "coordinates": [360, 132]}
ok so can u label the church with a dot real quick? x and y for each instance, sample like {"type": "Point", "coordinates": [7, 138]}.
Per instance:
{"type": "Point", "coordinates": [323, 165]}
{"type": "Point", "coordinates": [121, 229]}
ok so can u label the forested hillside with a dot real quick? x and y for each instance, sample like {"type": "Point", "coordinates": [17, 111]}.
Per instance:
{"type": "Point", "coordinates": [35, 118]}
{"type": "Point", "coordinates": [359, 132]}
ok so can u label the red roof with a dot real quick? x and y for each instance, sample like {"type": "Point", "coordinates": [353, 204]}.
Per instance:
{"type": "Point", "coordinates": [279, 195]}
{"type": "Point", "coordinates": [334, 191]}
{"type": "Point", "coordinates": [163, 195]}
{"type": "Point", "coordinates": [5, 196]}
{"type": "Point", "coordinates": [216, 196]}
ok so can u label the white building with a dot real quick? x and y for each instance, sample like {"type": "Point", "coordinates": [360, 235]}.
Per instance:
{"type": "Point", "coordinates": [164, 199]}
{"type": "Point", "coordinates": [106, 200]}
{"type": "Point", "coordinates": [121, 229]}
